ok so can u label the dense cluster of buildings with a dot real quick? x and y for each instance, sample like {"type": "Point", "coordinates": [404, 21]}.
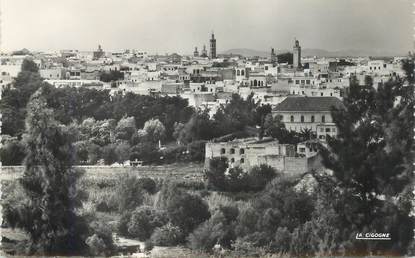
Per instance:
{"type": "Point", "coordinates": [301, 92]}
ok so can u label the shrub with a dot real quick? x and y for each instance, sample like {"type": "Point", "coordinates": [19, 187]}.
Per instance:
{"type": "Point", "coordinates": [168, 190]}
{"type": "Point", "coordinates": [96, 245]}
{"type": "Point", "coordinates": [101, 242]}
{"type": "Point", "coordinates": [187, 211]}
{"type": "Point", "coordinates": [235, 179]}
{"type": "Point", "coordinates": [147, 184]}
{"type": "Point", "coordinates": [129, 193]}
{"type": "Point", "coordinates": [167, 235]}
{"type": "Point", "coordinates": [122, 226]}
{"type": "Point", "coordinates": [259, 176]}
{"type": "Point", "coordinates": [216, 173]}
{"type": "Point", "coordinates": [206, 235]}
{"type": "Point", "coordinates": [144, 220]}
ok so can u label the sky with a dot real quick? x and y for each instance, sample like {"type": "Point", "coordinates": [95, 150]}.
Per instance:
{"type": "Point", "coordinates": [167, 26]}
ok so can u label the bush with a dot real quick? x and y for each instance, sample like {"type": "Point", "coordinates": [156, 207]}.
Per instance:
{"type": "Point", "coordinates": [167, 235]}
{"type": "Point", "coordinates": [215, 230]}
{"type": "Point", "coordinates": [220, 177]}
{"type": "Point", "coordinates": [101, 242]}
{"type": "Point", "coordinates": [147, 184]}
{"type": "Point", "coordinates": [259, 176]}
{"type": "Point", "coordinates": [129, 193]}
{"type": "Point", "coordinates": [122, 225]}
{"type": "Point", "coordinates": [187, 211]}
{"type": "Point", "coordinates": [144, 220]}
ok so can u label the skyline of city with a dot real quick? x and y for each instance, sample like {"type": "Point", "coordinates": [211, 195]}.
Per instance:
{"type": "Point", "coordinates": [181, 26]}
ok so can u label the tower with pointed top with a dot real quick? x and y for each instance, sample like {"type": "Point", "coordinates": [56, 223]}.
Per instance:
{"type": "Point", "coordinates": [213, 46]}
{"type": "Point", "coordinates": [273, 56]}
{"type": "Point", "coordinates": [204, 51]}
{"type": "Point", "coordinates": [296, 54]}
{"type": "Point", "coordinates": [196, 52]}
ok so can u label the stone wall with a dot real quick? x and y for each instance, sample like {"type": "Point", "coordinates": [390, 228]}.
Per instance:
{"type": "Point", "coordinates": [176, 171]}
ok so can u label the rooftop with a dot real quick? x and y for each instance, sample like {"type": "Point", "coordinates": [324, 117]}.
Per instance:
{"type": "Point", "coordinates": [309, 104]}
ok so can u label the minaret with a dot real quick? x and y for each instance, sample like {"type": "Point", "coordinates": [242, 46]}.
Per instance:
{"type": "Point", "coordinates": [296, 54]}
{"type": "Point", "coordinates": [204, 51]}
{"type": "Point", "coordinates": [196, 53]}
{"type": "Point", "coordinates": [273, 56]}
{"type": "Point", "coordinates": [213, 46]}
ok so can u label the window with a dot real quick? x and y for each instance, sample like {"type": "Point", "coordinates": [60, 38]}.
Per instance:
{"type": "Point", "coordinates": [307, 81]}
{"type": "Point", "coordinates": [331, 94]}
{"type": "Point", "coordinates": [302, 119]}
{"type": "Point", "coordinates": [242, 72]}
{"type": "Point", "coordinates": [232, 151]}
{"type": "Point", "coordinates": [312, 119]}
{"type": "Point", "coordinates": [232, 160]}
{"type": "Point", "coordinates": [292, 118]}
{"type": "Point", "coordinates": [266, 68]}
{"type": "Point", "coordinates": [323, 119]}
{"type": "Point", "coordinates": [321, 94]}
{"type": "Point", "coordinates": [384, 65]}
{"type": "Point", "coordinates": [242, 151]}
{"type": "Point", "coordinates": [222, 151]}
{"type": "Point", "coordinates": [238, 72]}
{"type": "Point", "coordinates": [322, 137]}
{"type": "Point", "coordinates": [242, 160]}
{"type": "Point", "coordinates": [302, 92]}
{"type": "Point", "coordinates": [327, 130]}
{"type": "Point", "coordinates": [302, 149]}
{"type": "Point", "coordinates": [297, 81]}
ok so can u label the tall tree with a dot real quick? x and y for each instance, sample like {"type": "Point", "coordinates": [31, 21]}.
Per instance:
{"type": "Point", "coordinates": [14, 99]}
{"type": "Point", "coordinates": [372, 159]}
{"type": "Point", "coordinates": [47, 213]}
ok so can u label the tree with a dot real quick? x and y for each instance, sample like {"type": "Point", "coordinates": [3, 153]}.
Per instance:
{"type": "Point", "coordinates": [199, 127]}
{"type": "Point", "coordinates": [109, 154]}
{"type": "Point", "coordinates": [237, 114]}
{"type": "Point", "coordinates": [372, 159]}
{"type": "Point", "coordinates": [111, 76]}
{"type": "Point", "coordinates": [14, 100]}
{"type": "Point", "coordinates": [47, 213]}
{"type": "Point", "coordinates": [262, 112]}
{"type": "Point", "coordinates": [144, 220]}
{"type": "Point", "coordinates": [187, 211]}
{"type": "Point", "coordinates": [155, 130]}
{"type": "Point", "coordinates": [12, 151]}
{"type": "Point", "coordinates": [125, 129]}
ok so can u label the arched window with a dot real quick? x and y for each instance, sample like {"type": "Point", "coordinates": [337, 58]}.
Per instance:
{"type": "Point", "coordinates": [292, 118]}
{"type": "Point", "coordinates": [242, 160]}
{"type": "Point", "coordinates": [222, 151]}
{"type": "Point", "coordinates": [232, 151]}
{"type": "Point", "coordinates": [323, 119]}
{"type": "Point", "coordinates": [255, 83]}
{"type": "Point", "coordinates": [302, 119]}
{"type": "Point", "coordinates": [238, 72]}
{"type": "Point", "coordinates": [312, 119]}
{"type": "Point", "coordinates": [241, 151]}
{"type": "Point", "coordinates": [262, 83]}
{"type": "Point", "coordinates": [243, 72]}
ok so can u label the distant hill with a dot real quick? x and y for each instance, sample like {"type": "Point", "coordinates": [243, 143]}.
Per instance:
{"type": "Point", "coordinates": [313, 52]}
